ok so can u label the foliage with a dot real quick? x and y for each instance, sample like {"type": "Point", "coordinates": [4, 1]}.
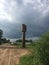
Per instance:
{"type": "Point", "coordinates": [40, 56]}
{"type": "Point", "coordinates": [4, 40]}
{"type": "Point", "coordinates": [26, 60]}
{"type": "Point", "coordinates": [25, 40]}
{"type": "Point", "coordinates": [1, 33]}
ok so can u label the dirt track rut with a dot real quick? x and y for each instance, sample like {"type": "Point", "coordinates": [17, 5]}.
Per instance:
{"type": "Point", "coordinates": [11, 56]}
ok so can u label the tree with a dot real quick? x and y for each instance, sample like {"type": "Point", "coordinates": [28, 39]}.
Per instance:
{"type": "Point", "coordinates": [1, 33]}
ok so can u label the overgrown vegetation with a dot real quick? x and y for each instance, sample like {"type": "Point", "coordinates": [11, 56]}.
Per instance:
{"type": "Point", "coordinates": [40, 56]}
{"type": "Point", "coordinates": [1, 33]}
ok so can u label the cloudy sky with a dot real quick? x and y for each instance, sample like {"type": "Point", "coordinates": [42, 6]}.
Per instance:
{"type": "Point", "coordinates": [33, 13]}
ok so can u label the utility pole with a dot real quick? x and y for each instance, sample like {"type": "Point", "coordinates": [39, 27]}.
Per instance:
{"type": "Point", "coordinates": [23, 35]}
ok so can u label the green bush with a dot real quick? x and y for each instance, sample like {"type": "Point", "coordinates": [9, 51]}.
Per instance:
{"type": "Point", "coordinates": [41, 51]}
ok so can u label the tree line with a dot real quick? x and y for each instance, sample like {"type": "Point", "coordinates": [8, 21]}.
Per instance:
{"type": "Point", "coordinates": [3, 40]}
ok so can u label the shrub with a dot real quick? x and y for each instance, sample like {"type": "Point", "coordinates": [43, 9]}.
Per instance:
{"type": "Point", "coordinates": [41, 51]}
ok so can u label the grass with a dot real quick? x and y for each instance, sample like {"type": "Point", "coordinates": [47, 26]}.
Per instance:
{"type": "Point", "coordinates": [26, 60]}
{"type": "Point", "coordinates": [19, 45]}
{"type": "Point", "coordinates": [30, 59]}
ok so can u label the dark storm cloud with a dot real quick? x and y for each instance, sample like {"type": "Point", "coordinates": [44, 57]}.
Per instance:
{"type": "Point", "coordinates": [33, 13]}
{"type": "Point", "coordinates": [11, 30]}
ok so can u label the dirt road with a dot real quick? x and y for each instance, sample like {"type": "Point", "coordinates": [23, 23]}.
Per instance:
{"type": "Point", "coordinates": [11, 56]}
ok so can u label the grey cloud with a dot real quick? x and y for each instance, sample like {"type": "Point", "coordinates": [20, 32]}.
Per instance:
{"type": "Point", "coordinates": [19, 2]}
{"type": "Point", "coordinates": [27, 14]}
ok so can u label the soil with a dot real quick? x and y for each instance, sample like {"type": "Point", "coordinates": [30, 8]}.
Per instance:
{"type": "Point", "coordinates": [11, 56]}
